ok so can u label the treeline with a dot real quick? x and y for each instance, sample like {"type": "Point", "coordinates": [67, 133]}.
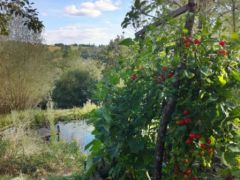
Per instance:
{"type": "Point", "coordinates": [106, 54]}
{"type": "Point", "coordinates": [34, 74]}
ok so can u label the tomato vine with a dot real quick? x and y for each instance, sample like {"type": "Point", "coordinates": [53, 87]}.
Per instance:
{"type": "Point", "coordinates": [202, 137]}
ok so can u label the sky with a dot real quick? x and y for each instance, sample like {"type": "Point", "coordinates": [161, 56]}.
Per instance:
{"type": "Point", "coordinates": [83, 21]}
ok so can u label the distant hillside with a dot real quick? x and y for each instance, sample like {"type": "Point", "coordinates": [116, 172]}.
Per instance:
{"type": "Point", "coordinates": [84, 51]}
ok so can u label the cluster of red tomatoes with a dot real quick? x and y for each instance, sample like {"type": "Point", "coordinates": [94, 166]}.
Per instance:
{"type": "Point", "coordinates": [187, 41]}
{"type": "Point", "coordinates": [204, 147]}
{"type": "Point", "coordinates": [222, 52]}
{"type": "Point", "coordinates": [163, 75]}
{"type": "Point", "coordinates": [166, 73]}
{"type": "Point", "coordinates": [187, 172]}
{"type": "Point", "coordinates": [186, 120]}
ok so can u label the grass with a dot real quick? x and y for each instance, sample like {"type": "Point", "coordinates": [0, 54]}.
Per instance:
{"type": "Point", "coordinates": [25, 155]}
{"type": "Point", "coordinates": [39, 118]}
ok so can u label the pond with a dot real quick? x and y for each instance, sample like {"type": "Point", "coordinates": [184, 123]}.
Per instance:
{"type": "Point", "coordinates": [78, 131]}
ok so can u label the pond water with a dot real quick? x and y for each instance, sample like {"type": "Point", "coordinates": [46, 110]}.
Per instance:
{"type": "Point", "coordinates": [78, 131]}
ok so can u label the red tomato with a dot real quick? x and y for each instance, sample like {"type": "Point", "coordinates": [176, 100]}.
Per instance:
{"type": "Point", "coordinates": [189, 141]}
{"type": "Point", "coordinates": [134, 77]}
{"type": "Point", "coordinates": [197, 42]}
{"type": "Point", "coordinates": [186, 112]}
{"type": "Point", "coordinates": [195, 136]}
{"type": "Point", "coordinates": [188, 121]}
{"type": "Point", "coordinates": [222, 43]}
{"type": "Point", "coordinates": [222, 52]}
{"type": "Point", "coordinates": [187, 171]}
{"type": "Point", "coordinates": [203, 146]}
{"type": "Point", "coordinates": [163, 77]}
{"type": "Point", "coordinates": [164, 69]}
{"type": "Point", "coordinates": [187, 44]}
{"type": "Point", "coordinates": [170, 75]}
{"type": "Point", "coordinates": [210, 150]}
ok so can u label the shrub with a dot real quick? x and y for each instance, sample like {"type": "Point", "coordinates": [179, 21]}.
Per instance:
{"type": "Point", "coordinates": [73, 89]}
{"type": "Point", "coordinates": [26, 75]}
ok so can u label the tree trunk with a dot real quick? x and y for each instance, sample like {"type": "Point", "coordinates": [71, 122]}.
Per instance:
{"type": "Point", "coordinates": [234, 15]}
{"type": "Point", "coordinates": [169, 108]}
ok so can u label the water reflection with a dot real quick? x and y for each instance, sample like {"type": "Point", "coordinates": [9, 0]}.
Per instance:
{"type": "Point", "coordinates": [78, 131]}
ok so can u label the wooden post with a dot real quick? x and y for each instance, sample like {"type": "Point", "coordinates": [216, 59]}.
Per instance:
{"type": "Point", "coordinates": [169, 108]}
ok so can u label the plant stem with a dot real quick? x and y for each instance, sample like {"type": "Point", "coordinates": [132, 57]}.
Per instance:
{"type": "Point", "coordinates": [169, 108]}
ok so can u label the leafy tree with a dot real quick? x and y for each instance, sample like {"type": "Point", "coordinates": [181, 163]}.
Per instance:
{"type": "Point", "coordinates": [20, 32]}
{"type": "Point", "coordinates": [23, 8]}
{"type": "Point", "coordinates": [168, 110]}
{"type": "Point", "coordinates": [73, 89]}
{"type": "Point", "coordinates": [113, 51]}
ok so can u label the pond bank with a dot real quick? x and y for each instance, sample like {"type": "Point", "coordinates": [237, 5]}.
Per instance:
{"type": "Point", "coordinates": [37, 118]}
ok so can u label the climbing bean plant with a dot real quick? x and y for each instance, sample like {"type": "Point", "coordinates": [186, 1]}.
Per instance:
{"type": "Point", "coordinates": [203, 135]}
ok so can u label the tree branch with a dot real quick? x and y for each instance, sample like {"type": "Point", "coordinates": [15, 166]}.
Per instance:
{"type": "Point", "coordinates": [172, 14]}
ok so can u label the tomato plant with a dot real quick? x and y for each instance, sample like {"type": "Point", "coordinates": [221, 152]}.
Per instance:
{"type": "Point", "coordinates": [202, 138]}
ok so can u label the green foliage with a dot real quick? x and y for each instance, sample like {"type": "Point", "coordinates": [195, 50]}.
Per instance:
{"type": "Point", "coordinates": [38, 159]}
{"type": "Point", "coordinates": [26, 75]}
{"type": "Point", "coordinates": [23, 153]}
{"type": "Point", "coordinates": [22, 8]}
{"type": "Point", "coordinates": [73, 89]}
{"type": "Point", "coordinates": [40, 118]}
{"type": "Point", "coordinates": [114, 51]}
{"type": "Point", "coordinates": [133, 96]}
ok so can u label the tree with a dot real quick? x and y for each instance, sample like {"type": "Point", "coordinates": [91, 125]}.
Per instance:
{"type": "Point", "coordinates": [173, 97]}
{"type": "Point", "coordinates": [23, 8]}
{"type": "Point", "coordinates": [73, 89]}
{"type": "Point", "coordinates": [18, 31]}
{"type": "Point", "coordinates": [113, 51]}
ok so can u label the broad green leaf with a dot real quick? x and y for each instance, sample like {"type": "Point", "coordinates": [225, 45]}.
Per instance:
{"type": "Point", "coordinates": [234, 149]}
{"type": "Point", "coordinates": [185, 30]}
{"type": "Point", "coordinates": [202, 94]}
{"type": "Point", "coordinates": [127, 42]}
{"type": "Point", "coordinates": [236, 75]}
{"type": "Point", "coordinates": [107, 116]}
{"type": "Point", "coordinates": [189, 75]}
{"type": "Point", "coordinates": [135, 145]}
{"type": "Point", "coordinates": [222, 80]}
{"type": "Point", "coordinates": [224, 160]}
{"type": "Point", "coordinates": [234, 36]}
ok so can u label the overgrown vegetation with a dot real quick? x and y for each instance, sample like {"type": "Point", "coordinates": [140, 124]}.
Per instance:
{"type": "Point", "coordinates": [76, 85]}
{"type": "Point", "coordinates": [26, 75]}
{"type": "Point", "coordinates": [168, 110]}
{"type": "Point", "coordinates": [168, 100]}
{"type": "Point", "coordinates": [40, 118]}
{"type": "Point", "coordinates": [24, 153]}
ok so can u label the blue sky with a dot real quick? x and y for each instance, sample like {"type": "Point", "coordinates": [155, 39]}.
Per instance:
{"type": "Point", "coordinates": [82, 21]}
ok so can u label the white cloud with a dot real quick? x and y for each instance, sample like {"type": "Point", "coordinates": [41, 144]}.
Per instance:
{"type": "Point", "coordinates": [92, 9]}
{"type": "Point", "coordinates": [81, 34]}
{"type": "Point", "coordinates": [44, 14]}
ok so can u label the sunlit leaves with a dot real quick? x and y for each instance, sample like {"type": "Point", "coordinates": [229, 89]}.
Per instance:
{"type": "Point", "coordinates": [222, 80]}
{"type": "Point", "coordinates": [127, 42]}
